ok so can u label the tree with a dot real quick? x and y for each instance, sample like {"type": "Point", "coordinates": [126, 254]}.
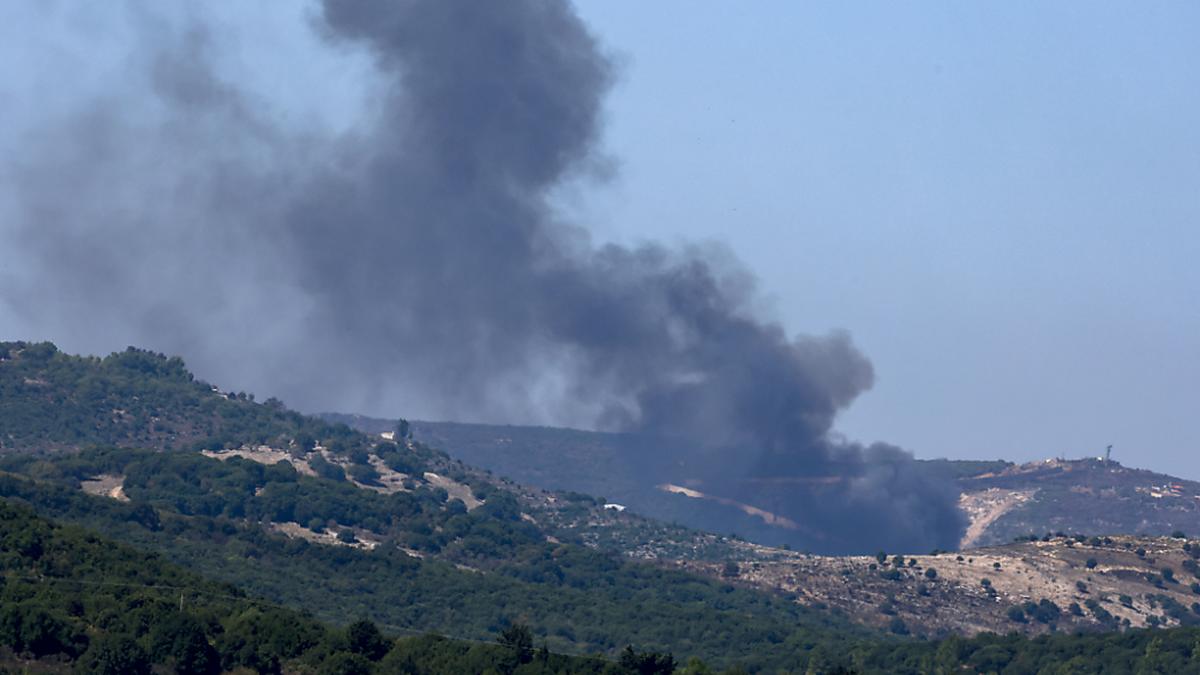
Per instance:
{"type": "Point", "coordinates": [403, 429]}
{"type": "Point", "coordinates": [931, 574]}
{"type": "Point", "coordinates": [114, 655]}
{"type": "Point", "coordinates": [1091, 563]}
{"type": "Point", "coordinates": [364, 638]}
{"type": "Point", "coordinates": [345, 663]}
{"type": "Point", "coordinates": [646, 663]}
{"type": "Point", "coordinates": [519, 639]}
{"type": "Point", "coordinates": [730, 569]}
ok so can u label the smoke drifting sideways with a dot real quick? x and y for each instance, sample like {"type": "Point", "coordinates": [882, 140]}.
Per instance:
{"type": "Point", "coordinates": [414, 265]}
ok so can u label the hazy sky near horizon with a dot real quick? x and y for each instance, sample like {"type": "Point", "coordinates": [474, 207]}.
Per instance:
{"type": "Point", "coordinates": [998, 201]}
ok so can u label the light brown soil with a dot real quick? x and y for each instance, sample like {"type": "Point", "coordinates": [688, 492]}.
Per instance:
{"type": "Point", "coordinates": [106, 485]}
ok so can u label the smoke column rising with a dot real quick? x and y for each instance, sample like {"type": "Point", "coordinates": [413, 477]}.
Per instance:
{"type": "Point", "coordinates": [415, 261]}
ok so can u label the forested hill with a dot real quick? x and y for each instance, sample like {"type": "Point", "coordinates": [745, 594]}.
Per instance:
{"type": "Point", "coordinates": [324, 517]}
{"type": "Point", "coordinates": [72, 601]}
{"type": "Point", "coordinates": [351, 526]}
{"type": "Point", "coordinates": [51, 400]}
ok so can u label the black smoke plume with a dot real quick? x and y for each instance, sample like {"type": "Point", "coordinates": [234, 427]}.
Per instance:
{"type": "Point", "coordinates": [415, 266]}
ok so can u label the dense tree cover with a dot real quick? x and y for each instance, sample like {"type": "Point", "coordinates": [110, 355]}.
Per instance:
{"type": "Point", "coordinates": [51, 400]}
{"type": "Point", "coordinates": [65, 593]}
{"type": "Point", "coordinates": [69, 597]}
{"type": "Point", "coordinates": [573, 599]}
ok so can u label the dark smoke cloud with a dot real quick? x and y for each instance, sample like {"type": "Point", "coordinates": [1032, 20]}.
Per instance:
{"type": "Point", "coordinates": [414, 265]}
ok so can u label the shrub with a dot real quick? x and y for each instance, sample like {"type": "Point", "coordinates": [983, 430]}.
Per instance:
{"type": "Point", "coordinates": [931, 574]}
{"type": "Point", "coordinates": [1091, 563]}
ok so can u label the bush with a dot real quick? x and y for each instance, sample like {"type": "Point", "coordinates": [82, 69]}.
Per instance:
{"type": "Point", "coordinates": [1091, 563]}
{"type": "Point", "coordinates": [931, 574]}
{"type": "Point", "coordinates": [1015, 613]}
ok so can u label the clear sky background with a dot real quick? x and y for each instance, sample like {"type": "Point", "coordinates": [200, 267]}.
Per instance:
{"type": "Point", "coordinates": [1000, 201]}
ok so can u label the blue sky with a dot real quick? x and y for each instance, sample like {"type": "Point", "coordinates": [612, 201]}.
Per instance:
{"type": "Point", "coordinates": [998, 200]}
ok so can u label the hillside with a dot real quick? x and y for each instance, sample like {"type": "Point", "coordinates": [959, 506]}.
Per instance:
{"type": "Point", "coordinates": [1001, 500]}
{"type": "Point", "coordinates": [74, 602]}
{"type": "Point", "coordinates": [1078, 496]}
{"type": "Point", "coordinates": [1056, 583]}
{"type": "Point", "coordinates": [347, 525]}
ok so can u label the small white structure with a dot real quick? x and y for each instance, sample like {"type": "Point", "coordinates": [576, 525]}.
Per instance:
{"type": "Point", "coordinates": [388, 435]}
{"type": "Point", "coordinates": [614, 507]}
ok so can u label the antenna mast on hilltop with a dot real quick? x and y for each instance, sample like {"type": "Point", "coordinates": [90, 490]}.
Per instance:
{"type": "Point", "coordinates": [1107, 454]}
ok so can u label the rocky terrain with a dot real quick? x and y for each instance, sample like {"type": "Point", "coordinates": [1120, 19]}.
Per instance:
{"type": "Point", "coordinates": [1061, 583]}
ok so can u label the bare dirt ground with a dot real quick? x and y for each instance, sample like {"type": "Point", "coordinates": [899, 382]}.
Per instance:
{"type": "Point", "coordinates": [454, 489]}
{"type": "Point", "coordinates": [106, 485]}
{"type": "Point", "coordinates": [985, 507]}
{"type": "Point", "coordinates": [262, 454]}
{"type": "Point", "coordinates": [326, 538]}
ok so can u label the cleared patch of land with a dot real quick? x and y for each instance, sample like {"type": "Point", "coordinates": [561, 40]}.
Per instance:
{"type": "Point", "coordinates": [106, 485]}
{"type": "Point", "coordinates": [985, 507]}
{"type": "Point", "coordinates": [326, 537]}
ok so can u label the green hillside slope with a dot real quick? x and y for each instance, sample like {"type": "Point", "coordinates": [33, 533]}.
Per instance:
{"type": "Point", "coordinates": [71, 601]}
